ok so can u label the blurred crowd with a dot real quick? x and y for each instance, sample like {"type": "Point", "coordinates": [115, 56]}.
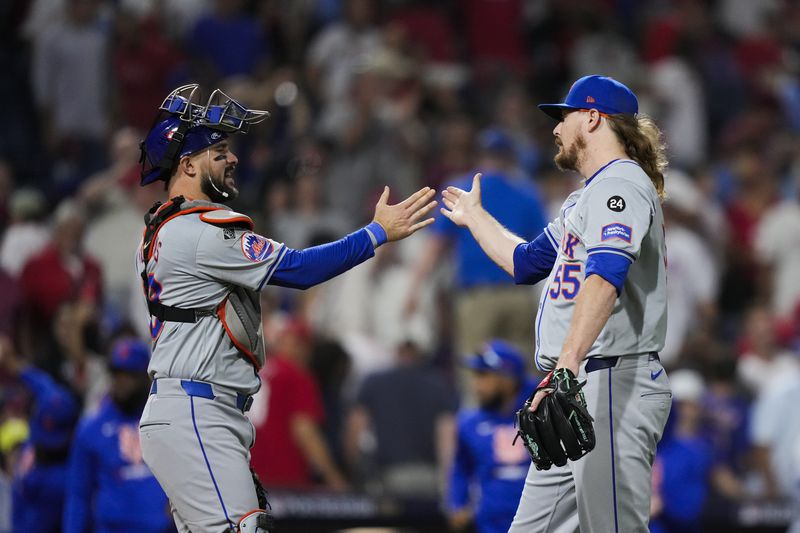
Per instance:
{"type": "Point", "coordinates": [367, 373]}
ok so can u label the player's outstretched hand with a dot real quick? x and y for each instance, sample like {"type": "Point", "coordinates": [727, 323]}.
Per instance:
{"type": "Point", "coordinates": [461, 206]}
{"type": "Point", "coordinates": [401, 220]}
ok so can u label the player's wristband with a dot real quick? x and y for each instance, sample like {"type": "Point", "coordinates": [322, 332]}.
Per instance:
{"type": "Point", "coordinates": [376, 234]}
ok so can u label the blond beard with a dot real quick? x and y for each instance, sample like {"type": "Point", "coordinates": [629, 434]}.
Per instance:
{"type": "Point", "coordinates": [571, 158]}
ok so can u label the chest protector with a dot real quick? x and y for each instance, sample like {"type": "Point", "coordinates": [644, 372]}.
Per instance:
{"type": "Point", "coordinates": [240, 310]}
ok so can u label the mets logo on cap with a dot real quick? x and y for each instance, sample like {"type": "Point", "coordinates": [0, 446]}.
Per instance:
{"type": "Point", "coordinates": [255, 247]}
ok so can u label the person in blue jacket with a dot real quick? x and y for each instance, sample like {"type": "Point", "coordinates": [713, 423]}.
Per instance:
{"type": "Point", "coordinates": [488, 472]}
{"type": "Point", "coordinates": [487, 304]}
{"type": "Point", "coordinates": [39, 475]}
{"type": "Point", "coordinates": [685, 462]}
{"type": "Point", "coordinates": [109, 488]}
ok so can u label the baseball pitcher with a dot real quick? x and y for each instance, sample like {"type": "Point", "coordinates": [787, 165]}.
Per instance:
{"type": "Point", "coordinates": [592, 425]}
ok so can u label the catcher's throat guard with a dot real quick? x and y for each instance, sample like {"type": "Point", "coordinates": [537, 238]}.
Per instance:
{"type": "Point", "coordinates": [561, 427]}
{"type": "Point", "coordinates": [239, 312]}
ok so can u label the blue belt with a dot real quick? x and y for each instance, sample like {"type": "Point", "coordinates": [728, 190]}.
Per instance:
{"type": "Point", "coordinates": [599, 363]}
{"type": "Point", "coordinates": [204, 390]}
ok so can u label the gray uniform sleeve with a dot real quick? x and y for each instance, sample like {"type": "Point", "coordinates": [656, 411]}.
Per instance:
{"type": "Point", "coordinates": [554, 230]}
{"type": "Point", "coordinates": [616, 216]}
{"type": "Point", "coordinates": [237, 256]}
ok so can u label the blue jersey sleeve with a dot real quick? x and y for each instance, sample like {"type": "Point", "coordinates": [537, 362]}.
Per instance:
{"type": "Point", "coordinates": [611, 267]}
{"type": "Point", "coordinates": [80, 485]}
{"type": "Point", "coordinates": [39, 382]}
{"type": "Point", "coordinates": [460, 474]}
{"type": "Point", "coordinates": [301, 269]}
{"type": "Point", "coordinates": [533, 261]}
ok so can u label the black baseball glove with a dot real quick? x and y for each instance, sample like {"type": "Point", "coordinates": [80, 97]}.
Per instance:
{"type": "Point", "coordinates": [561, 427]}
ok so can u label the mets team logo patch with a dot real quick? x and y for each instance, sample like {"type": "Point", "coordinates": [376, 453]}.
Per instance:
{"type": "Point", "coordinates": [616, 231]}
{"type": "Point", "coordinates": [255, 247]}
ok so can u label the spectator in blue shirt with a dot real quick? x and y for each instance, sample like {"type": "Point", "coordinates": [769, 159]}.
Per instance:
{"type": "Point", "coordinates": [400, 430]}
{"type": "Point", "coordinates": [227, 42]}
{"type": "Point", "coordinates": [488, 304]}
{"type": "Point", "coordinates": [39, 476]}
{"type": "Point", "coordinates": [684, 461]}
{"type": "Point", "coordinates": [488, 472]}
{"type": "Point", "coordinates": [110, 489]}
{"type": "Point", "coordinates": [726, 423]}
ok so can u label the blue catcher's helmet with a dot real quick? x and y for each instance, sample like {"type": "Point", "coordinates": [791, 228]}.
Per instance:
{"type": "Point", "coordinates": [184, 127]}
{"type": "Point", "coordinates": [155, 145]}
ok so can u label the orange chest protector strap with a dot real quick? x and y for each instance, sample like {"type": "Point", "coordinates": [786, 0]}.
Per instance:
{"type": "Point", "coordinates": [239, 312]}
{"type": "Point", "coordinates": [154, 220]}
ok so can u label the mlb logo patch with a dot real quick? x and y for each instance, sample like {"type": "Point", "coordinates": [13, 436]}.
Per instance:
{"type": "Point", "coordinates": [255, 247]}
{"type": "Point", "coordinates": [616, 231]}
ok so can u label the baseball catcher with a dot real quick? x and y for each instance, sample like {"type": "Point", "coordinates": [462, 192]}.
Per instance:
{"type": "Point", "coordinates": [202, 267]}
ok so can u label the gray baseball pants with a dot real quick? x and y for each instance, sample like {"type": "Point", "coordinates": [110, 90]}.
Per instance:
{"type": "Point", "coordinates": [198, 448]}
{"type": "Point", "coordinates": [608, 490]}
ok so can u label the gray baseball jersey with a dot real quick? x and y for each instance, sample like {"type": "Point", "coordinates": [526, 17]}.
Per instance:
{"type": "Point", "coordinates": [618, 212]}
{"type": "Point", "coordinates": [194, 434]}
{"type": "Point", "coordinates": [192, 264]}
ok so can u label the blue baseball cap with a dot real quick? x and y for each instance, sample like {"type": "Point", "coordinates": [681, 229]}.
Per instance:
{"type": "Point", "coordinates": [53, 419]}
{"type": "Point", "coordinates": [605, 94]}
{"type": "Point", "coordinates": [130, 355]}
{"type": "Point", "coordinates": [498, 356]}
{"type": "Point", "coordinates": [495, 140]}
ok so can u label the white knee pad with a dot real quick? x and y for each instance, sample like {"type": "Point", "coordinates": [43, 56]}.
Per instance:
{"type": "Point", "coordinates": [257, 521]}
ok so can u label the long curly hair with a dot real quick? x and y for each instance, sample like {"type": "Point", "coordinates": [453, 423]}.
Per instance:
{"type": "Point", "coordinates": [644, 143]}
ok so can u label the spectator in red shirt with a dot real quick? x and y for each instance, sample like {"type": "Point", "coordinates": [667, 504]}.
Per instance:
{"type": "Point", "coordinates": [756, 194]}
{"type": "Point", "coordinates": [288, 415]}
{"type": "Point", "coordinates": [9, 304]}
{"type": "Point", "coordinates": [143, 62]}
{"type": "Point", "coordinates": [493, 30]}
{"type": "Point", "coordinates": [61, 273]}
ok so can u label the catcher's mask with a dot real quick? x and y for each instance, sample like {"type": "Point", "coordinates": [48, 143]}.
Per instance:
{"type": "Point", "coordinates": [184, 127]}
